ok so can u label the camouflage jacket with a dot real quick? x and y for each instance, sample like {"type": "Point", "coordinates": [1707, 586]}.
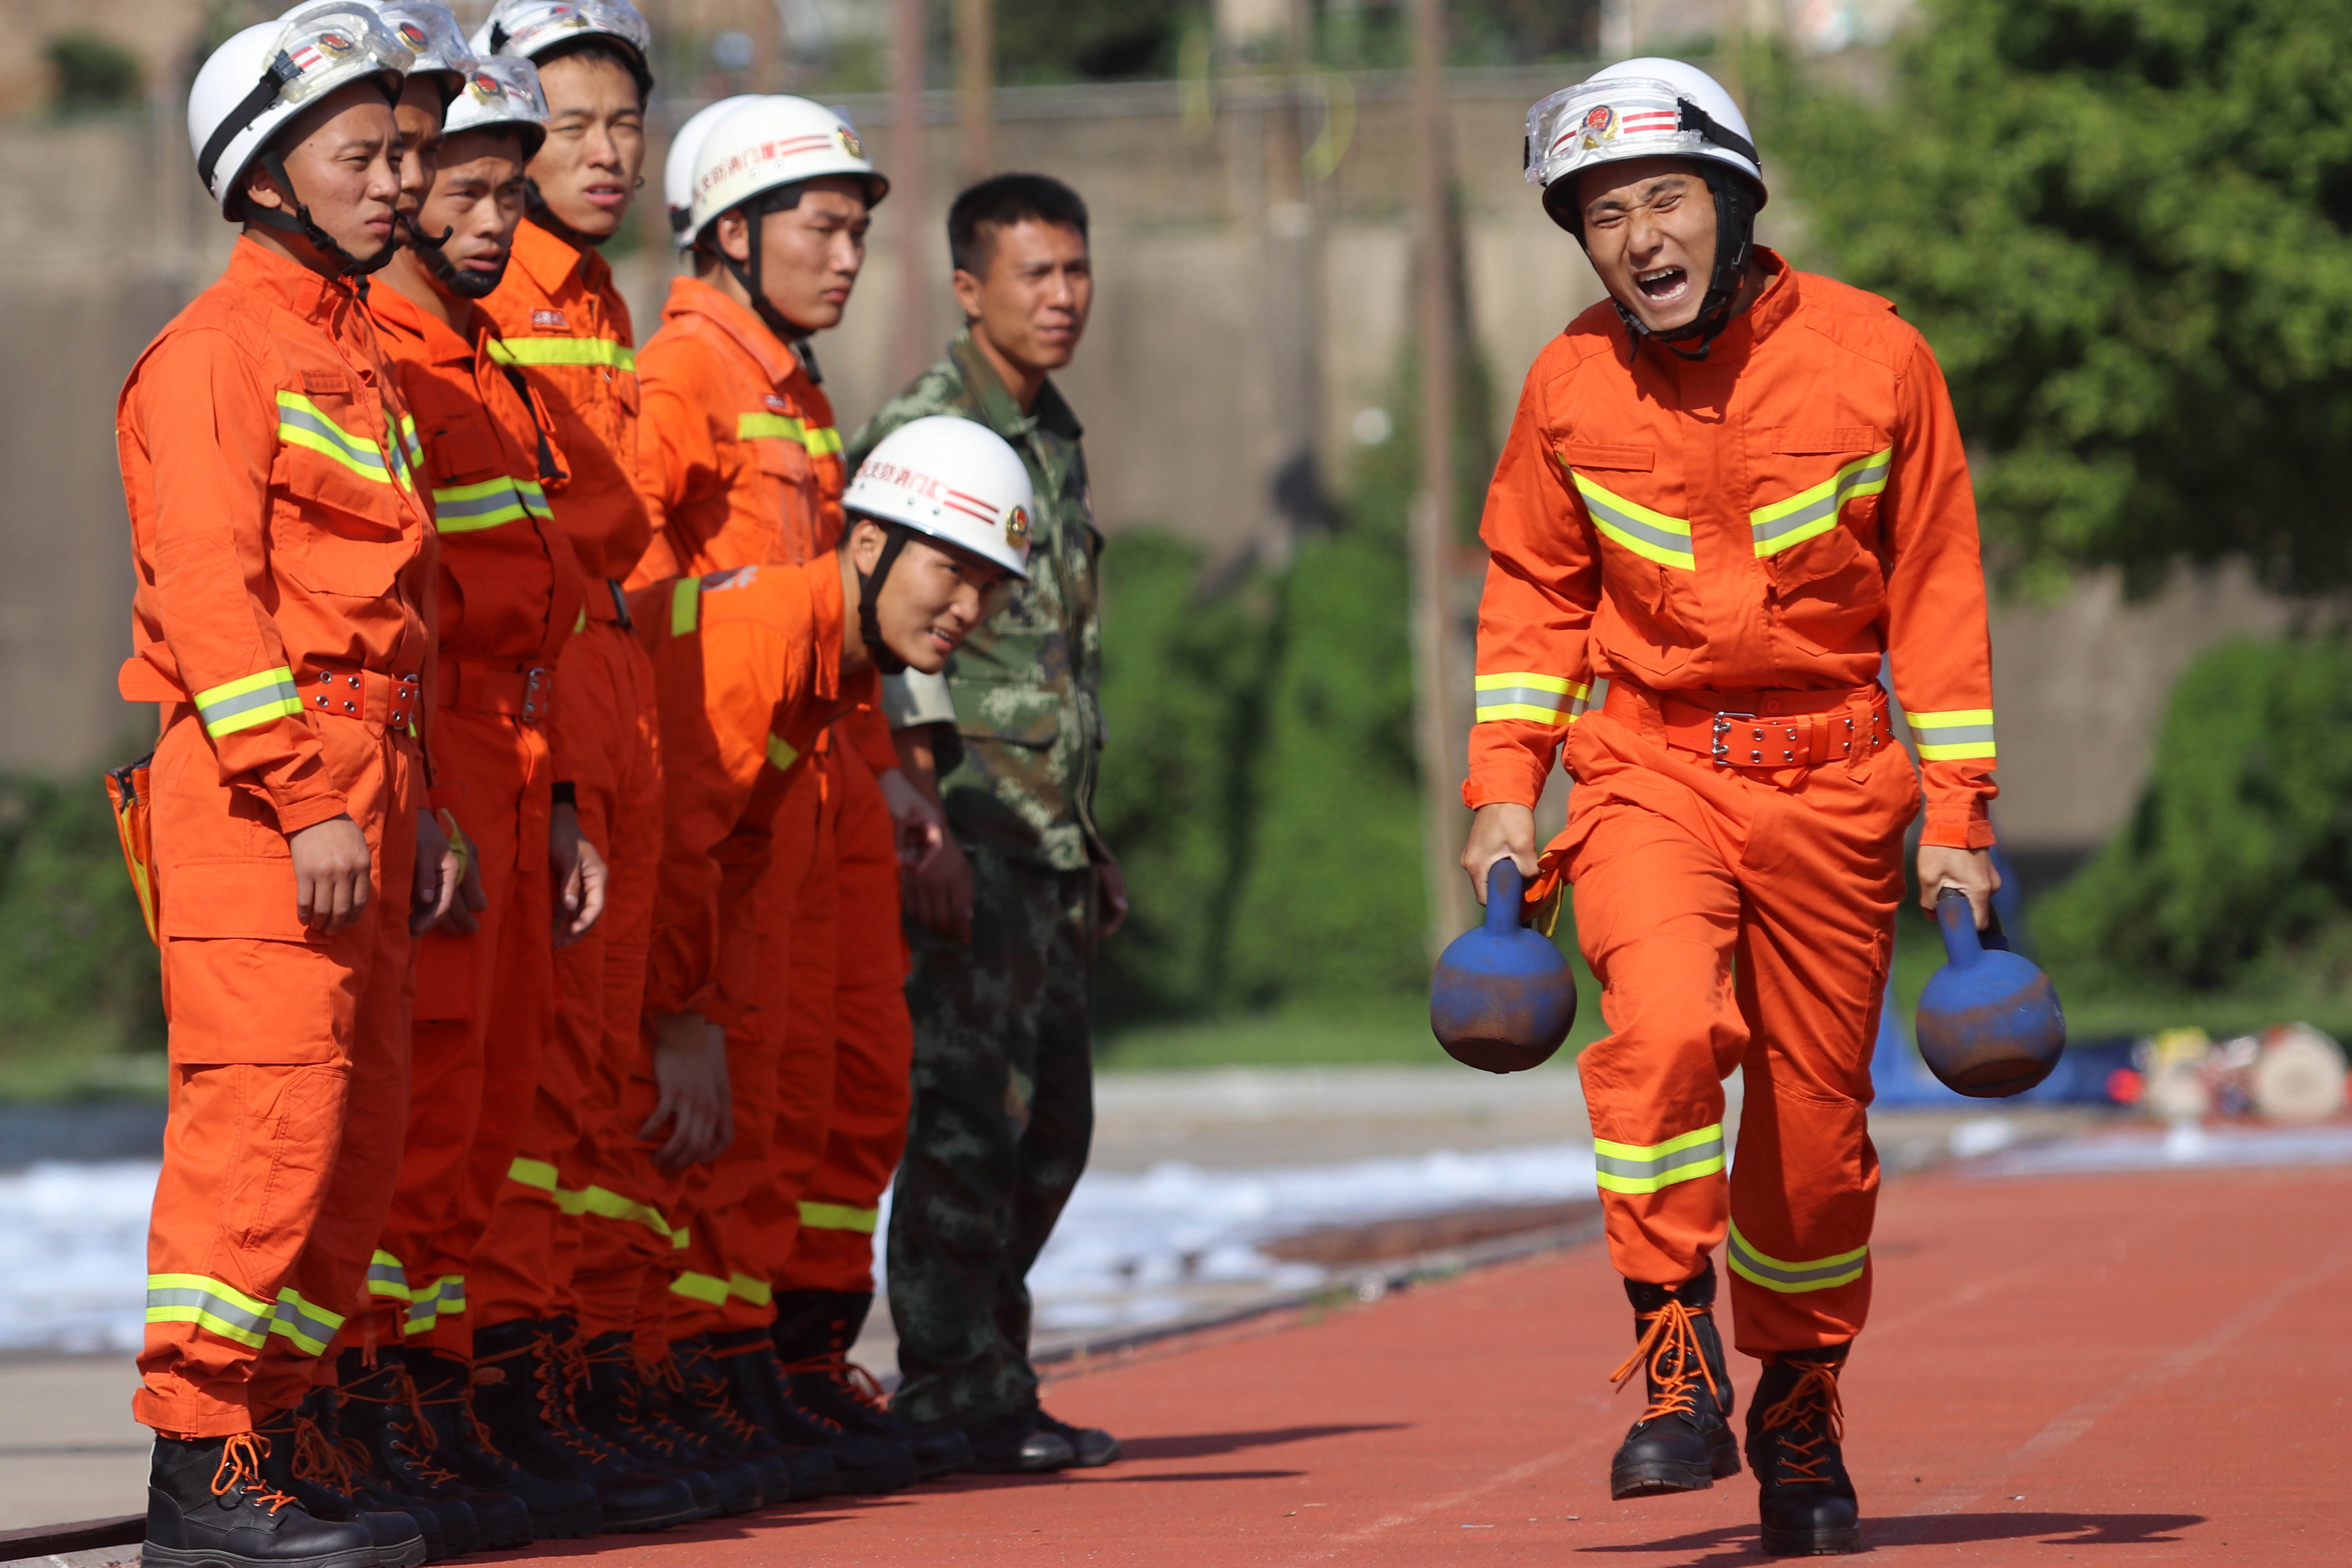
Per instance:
{"type": "Point", "coordinates": [1027, 684]}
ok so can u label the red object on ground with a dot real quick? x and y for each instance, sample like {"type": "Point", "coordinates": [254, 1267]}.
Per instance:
{"type": "Point", "coordinates": [2149, 1364]}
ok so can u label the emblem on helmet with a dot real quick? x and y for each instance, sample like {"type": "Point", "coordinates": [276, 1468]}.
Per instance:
{"type": "Point", "coordinates": [1016, 526]}
{"type": "Point", "coordinates": [849, 142]}
{"type": "Point", "coordinates": [1599, 125]}
{"type": "Point", "coordinates": [413, 37]}
{"type": "Point", "coordinates": [485, 86]}
{"type": "Point", "coordinates": [334, 43]}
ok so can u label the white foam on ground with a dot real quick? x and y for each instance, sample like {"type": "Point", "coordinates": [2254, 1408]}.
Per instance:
{"type": "Point", "coordinates": [73, 1255]}
{"type": "Point", "coordinates": [2184, 1146]}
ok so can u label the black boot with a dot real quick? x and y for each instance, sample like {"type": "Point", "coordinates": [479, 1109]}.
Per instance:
{"type": "Point", "coordinates": [378, 1411]}
{"type": "Point", "coordinates": [560, 1510]}
{"type": "Point", "coordinates": [812, 1333]}
{"type": "Point", "coordinates": [613, 1404]}
{"type": "Point", "coordinates": [1682, 1442]}
{"type": "Point", "coordinates": [868, 1465]}
{"type": "Point", "coordinates": [1090, 1447]}
{"type": "Point", "coordinates": [1794, 1425]}
{"type": "Point", "coordinates": [399, 1543]}
{"type": "Point", "coordinates": [208, 1507]}
{"type": "Point", "coordinates": [324, 1459]}
{"type": "Point", "coordinates": [523, 1394]}
{"type": "Point", "coordinates": [756, 1388]}
{"type": "Point", "coordinates": [1015, 1444]}
{"type": "Point", "coordinates": [699, 1401]}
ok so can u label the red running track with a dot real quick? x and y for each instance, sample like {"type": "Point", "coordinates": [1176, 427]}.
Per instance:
{"type": "Point", "coordinates": [2106, 1370]}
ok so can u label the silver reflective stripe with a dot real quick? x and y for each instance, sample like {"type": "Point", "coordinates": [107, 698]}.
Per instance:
{"type": "Point", "coordinates": [275, 695]}
{"type": "Point", "coordinates": [311, 1329]}
{"type": "Point", "coordinates": [1792, 1278]}
{"type": "Point", "coordinates": [1870, 474]}
{"type": "Point", "coordinates": [1648, 1167]}
{"type": "Point", "coordinates": [190, 1298]}
{"type": "Point", "coordinates": [1951, 734]}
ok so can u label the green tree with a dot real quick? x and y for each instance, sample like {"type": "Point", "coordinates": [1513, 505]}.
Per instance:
{"type": "Point", "coordinates": [2123, 225]}
{"type": "Point", "coordinates": [92, 72]}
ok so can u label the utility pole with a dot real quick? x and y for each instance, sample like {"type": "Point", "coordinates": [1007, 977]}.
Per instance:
{"type": "Point", "coordinates": [975, 28]}
{"type": "Point", "coordinates": [1436, 687]}
{"type": "Point", "coordinates": [911, 348]}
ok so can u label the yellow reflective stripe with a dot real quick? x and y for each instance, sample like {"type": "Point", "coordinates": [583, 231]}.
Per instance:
{"type": "Point", "coordinates": [782, 753]}
{"type": "Point", "coordinates": [407, 452]}
{"type": "Point", "coordinates": [685, 606]}
{"type": "Point", "coordinates": [1962, 735]}
{"type": "Point", "coordinates": [681, 1238]}
{"type": "Point", "coordinates": [606, 1204]}
{"type": "Point", "coordinates": [469, 508]}
{"type": "Point", "coordinates": [839, 1216]}
{"type": "Point", "coordinates": [223, 1310]}
{"type": "Point", "coordinates": [250, 700]}
{"type": "Point", "coordinates": [387, 1276]}
{"type": "Point", "coordinates": [302, 422]}
{"type": "Point", "coordinates": [821, 440]}
{"type": "Point", "coordinates": [1536, 699]}
{"type": "Point", "coordinates": [421, 1316]}
{"type": "Point", "coordinates": [1792, 1278]}
{"type": "Point", "coordinates": [700, 1287]}
{"type": "Point", "coordinates": [311, 1328]}
{"type": "Point", "coordinates": [532, 1173]}
{"type": "Point", "coordinates": [1811, 513]}
{"type": "Point", "coordinates": [582, 623]}
{"type": "Point", "coordinates": [743, 1288]}
{"type": "Point", "coordinates": [1653, 535]}
{"type": "Point", "coordinates": [1651, 1167]}
{"type": "Point", "coordinates": [563, 351]}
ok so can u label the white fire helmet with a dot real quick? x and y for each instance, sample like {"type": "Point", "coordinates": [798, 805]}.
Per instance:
{"type": "Point", "coordinates": [951, 480]}
{"type": "Point", "coordinates": [531, 28]}
{"type": "Point", "coordinates": [270, 72]}
{"type": "Point", "coordinates": [502, 90]}
{"type": "Point", "coordinates": [771, 142]}
{"type": "Point", "coordinates": [1636, 108]}
{"type": "Point", "coordinates": [429, 30]}
{"type": "Point", "coordinates": [677, 169]}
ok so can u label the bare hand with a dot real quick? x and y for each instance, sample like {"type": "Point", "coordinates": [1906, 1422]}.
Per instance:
{"type": "Point", "coordinates": [471, 900]}
{"type": "Point", "coordinates": [920, 826]}
{"type": "Point", "coordinates": [580, 875]}
{"type": "Point", "coordinates": [690, 1066]}
{"type": "Point", "coordinates": [1969, 871]}
{"type": "Point", "coordinates": [441, 861]}
{"type": "Point", "coordinates": [1110, 890]}
{"type": "Point", "coordinates": [333, 873]}
{"type": "Point", "coordinates": [940, 896]}
{"type": "Point", "coordinates": [1499, 831]}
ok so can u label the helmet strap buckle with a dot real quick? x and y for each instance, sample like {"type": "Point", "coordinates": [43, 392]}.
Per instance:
{"type": "Point", "coordinates": [869, 596]}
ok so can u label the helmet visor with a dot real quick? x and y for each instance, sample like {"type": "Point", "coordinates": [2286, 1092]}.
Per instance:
{"type": "Point", "coordinates": [430, 33]}
{"type": "Point", "coordinates": [537, 25]}
{"type": "Point", "coordinates": [1606, 122]}
{"type": "Point", "coordinates": [501, 90]}
{"type": "Point", "coordinates": [328, 46]}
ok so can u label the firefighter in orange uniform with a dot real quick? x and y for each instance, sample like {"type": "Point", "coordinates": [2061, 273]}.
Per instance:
{"type": "Point", "coordinates": [562, 323]}
{"type": "Point", "coordinates": [754, 664]}
{"type": "Point", "coordinates": [282, 618]}
{"type": "Point", "coordinates": [1731, 491]}
{"type": "Point", "coordinates": [742, 465]}
{"type": "Point", "coordinates": [510, 594]}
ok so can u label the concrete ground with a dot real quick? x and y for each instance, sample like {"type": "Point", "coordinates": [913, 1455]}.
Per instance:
{"type": "Point", "coordinates": [68, 1448]}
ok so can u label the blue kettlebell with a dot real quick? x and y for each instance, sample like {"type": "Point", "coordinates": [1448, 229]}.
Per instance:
{"type": "Point", "coordinates": [1503, 998]}
{"type": "Point", "coordinates": [1990, 1025]}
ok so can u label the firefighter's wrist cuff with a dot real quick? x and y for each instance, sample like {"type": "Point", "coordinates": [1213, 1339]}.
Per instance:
{"type": "Point", "coordinates": [309, 813]}
{"type": "Point", "coordinates": [1960, 824]}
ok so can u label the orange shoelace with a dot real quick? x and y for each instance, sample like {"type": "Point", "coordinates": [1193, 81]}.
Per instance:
{"type": "Point", "coordinates": [710, 1395]}
{"type": "Point", "coordinates": [241, 1470]}
{"type": "Point", "coordinates": [1676, 1365]}
{"type": "Point", "coordinates": [413, 1439]}
{"type": "Point", "coordinates": [557, 1373]}
{"type": "Point", "coordinates": [318, 1460]}
{"type": "Point", "coordinates": [1812, 1406]}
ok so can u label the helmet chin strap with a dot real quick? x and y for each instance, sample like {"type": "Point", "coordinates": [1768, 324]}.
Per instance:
{"type": "Point", "coordinates": [421, 243]}
{"type": "Point", "coordinates": [465, 285]}
{"type": "Point", "coordinates": [783, 198]}
{"type": "Point", "coordinates": [869, 595]}
{"type": "Point", "coordinates": [1735, 242]}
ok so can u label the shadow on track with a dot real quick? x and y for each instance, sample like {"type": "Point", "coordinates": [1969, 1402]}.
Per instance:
{"type": "Point", "coordinates": [1208, 1444]}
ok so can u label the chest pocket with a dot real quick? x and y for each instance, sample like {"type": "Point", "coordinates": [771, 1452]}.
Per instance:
{"type": "Point", "coordinates": [338, 523]}
{"type": "Point", "coordinates": [1648, 563]}
{"type": "Point", "coordinates": [1816, 529]}
{"type": "Point", "coordinates": [459, 454]}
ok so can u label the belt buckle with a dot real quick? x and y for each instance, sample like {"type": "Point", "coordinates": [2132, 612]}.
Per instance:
{"type": "Point", "coordinates": [1791, 738]}
{"type": "Point", "coordinates": [1722, 749]}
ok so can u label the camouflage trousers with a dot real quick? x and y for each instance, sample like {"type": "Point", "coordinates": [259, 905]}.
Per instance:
{"type": "Point", "coordinates": [1004, 1112]}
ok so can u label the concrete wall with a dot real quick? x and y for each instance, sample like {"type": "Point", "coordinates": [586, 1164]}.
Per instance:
{"type": "Point", "coordinates": [1224, 268]}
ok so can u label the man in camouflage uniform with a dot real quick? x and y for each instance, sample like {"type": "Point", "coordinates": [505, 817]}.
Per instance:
{"type": "Point", "coordinates": [1003, 921]}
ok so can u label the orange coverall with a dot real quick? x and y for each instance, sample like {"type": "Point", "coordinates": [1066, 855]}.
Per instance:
{"type": "Point", "coordinates": [748, 663]}
{"type": "Point", "coordinates": [282, 616]}
{"type": "Point", "coordinates": [561, 319]}
{"type": "Point", "coordinates": [511, 592]}
{"type": "Point", "coordinates": [742, 465]}
{"type": "Point", "coordinates": [1745, 535]}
